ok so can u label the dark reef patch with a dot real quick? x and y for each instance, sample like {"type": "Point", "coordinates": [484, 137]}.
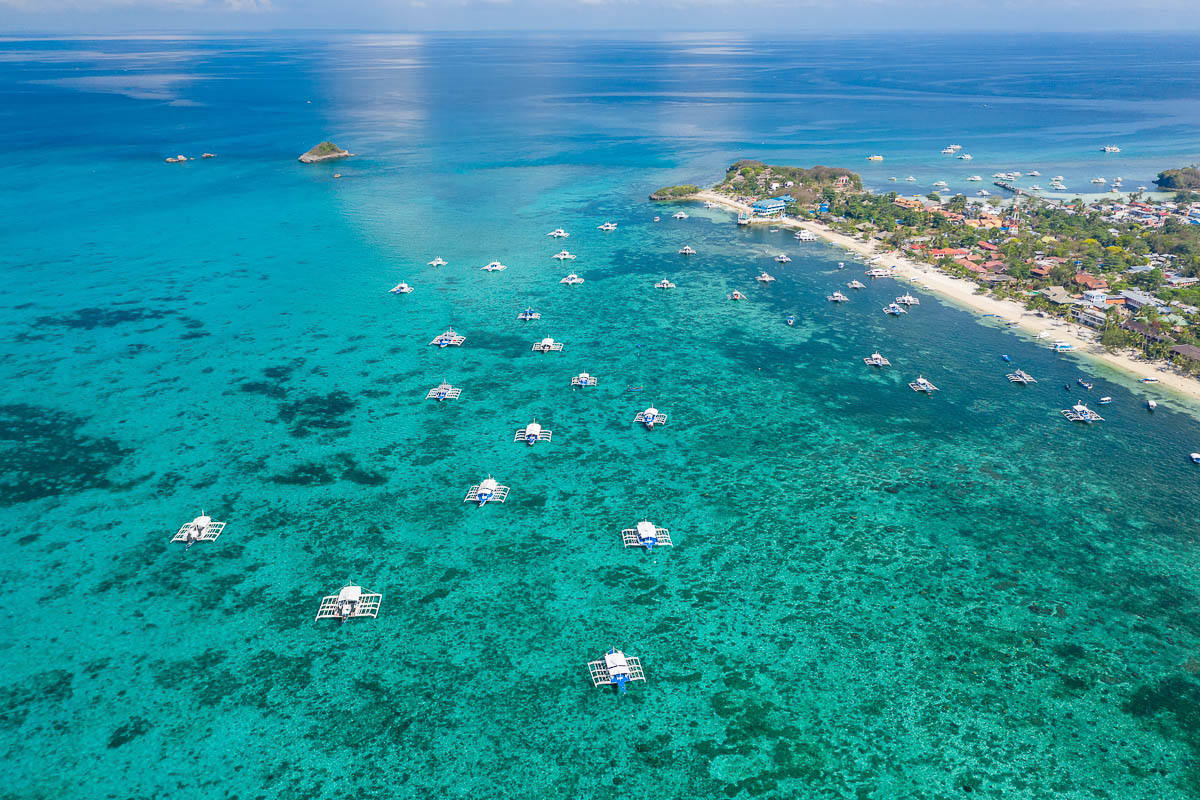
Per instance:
{"type": "Point", "coordinates": [91, 318]}
{"type": "Point", "coordinates": [16, 701]}
{"type": "Point", "coordinates": [317, 412]}
{"type": "Point", "coordinates": [45, 455]}
{"type": "Point", "coordinates": [126, 733]}
{"type": "Point", "coordinates": [305, 475]}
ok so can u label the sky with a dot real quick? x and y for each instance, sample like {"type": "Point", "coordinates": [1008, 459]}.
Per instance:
{"type": "Point", "coordinates": [789, 17]}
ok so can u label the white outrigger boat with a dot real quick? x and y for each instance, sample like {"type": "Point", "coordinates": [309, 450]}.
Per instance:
{"type": "Point", "coordinates": [805, 236]}
{"type": "Point", "coordinates": [1081, 413]}
{"type": "Point", "coordinates": [607, 227]}
{"type": "Point", "coordinates": [558, 233]}
{"type": "Point", "coordinates": [736, 295]}
{"type": "Point", "coordinates": [438, 262]}
{"type": "Point", "coordinates": [584, 379]}
{"type": "Point", "coordinates": [837, 297]}
{"type": "Point", "coordinates": [572, 279]}
{"type": "Point", "coordinates": [876, 360]}
{"type": "Point", "coordinates": [443, 391]}
{"type": "Point", "coordinates": [783, 258]}
{"type": "Point", "coordinates": [856, 284]}
{"type": "Point", "coordinates": [449, 339]}
{"type": "Point", "coordinates": [401, 288]}
{"type": "Point", "coordinates": [651, 417]}
{"type": "Point", "coordinates": [529, 314]}
{"type": "Point", "coordinates": [493, 266]}
{"type": "Point", "coordinates": [201, 529]}
{"type": "Point", "coordinates": [1060, 346]}
{"type": "Point", "coordinates": [616, 669]}
{"type": "Point", "coordinates": [350, 602]}
{"type": "Point", "coordinates": [687, 250]}
{"type": "Point", "coordinates": [894, 309]}
{"type": "Point", "coordinates": [533, 433]}
{"type": "Point", "coordinates": [881, 272]}
{"type": "Point", "coordinates": [563, 255]}
{"type": "Point", "coordinates": [764, 278]}
{"type": "Point", "coordinates": [646, 534]}
{"type": "Point", "coordinates": [907, 299]}
{"type": "Point", "coordinates": [547, 345]}
{"type": "Point", "coordinates": [679, 215]}
{"type": "Point", "coordinates": [1022, 377]}
{"type": "Point", "coordinates": [486, 491]}
{"type": "Point", "coordinates": [664, 284]}
{"type": "Point", "coordinates": [922, 385]}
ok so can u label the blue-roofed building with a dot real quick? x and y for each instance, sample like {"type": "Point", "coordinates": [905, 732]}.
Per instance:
{"type": "Point", "coordinates": [771, 207]}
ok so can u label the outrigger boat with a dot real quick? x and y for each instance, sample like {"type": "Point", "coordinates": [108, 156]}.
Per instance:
{"type": "Point", "coordinates": [401, 288]}
{"type": "Point", "coordinates": [687, 250]}
{"type": "Point", "coordinates": [791, 320]}
{"type": "Point", "coordinates": [438, 262]}
{"type": "Point", "coordinates": [876, 360]}
{"type": "Point", "coordinates": [782, 258]}
{"type": "Point", "coordinates": [1021, 376]}
{"type": "Point", "coordinates": [664, 284]}
{"type": "Point", "coordinates": [764, 278]}
{"type": "Point", "coordinates": [881, 272]}
{"type": "Point", "coordinates": [894, 309]}
{"type": "Point", "coordinates": [736, 295]}
{"type": "Point", "coordinates": [1081, 413]}
{"type": "Point", "coordinates": [529, 314]}
{"type": "Point", "coordinates": [836, 297]}
{"type": "Point", "coordinates": [805, 236]}
{"type": "Point", "coordinates": [679, 215]}
{"type": "Point", "coordinates": [922, 385]}
{"type": "Point", "coordinates": [907, 299]}
{"type": "Point", "coordinates": [606, 227]}
{"type": "Point", "coordinates": [1084, 383]}
{"type": "Point", "coordinates": [856, 285]}
{"type": "Point", "coordinates": [558, 233]}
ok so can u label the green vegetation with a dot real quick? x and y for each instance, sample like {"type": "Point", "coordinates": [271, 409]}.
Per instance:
{"type": "Point", "coordinates": [675, 192]}
{"type": "Point", "coordinates": [1187, 178]}
{"type": "Point", "coordinates": [748, 178]}
{"type": "Point", "coordinates": [324, 149]}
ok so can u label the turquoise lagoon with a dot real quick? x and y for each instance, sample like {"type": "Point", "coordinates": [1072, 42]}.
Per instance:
{"type": "Point", "coordinates": [873, 594]}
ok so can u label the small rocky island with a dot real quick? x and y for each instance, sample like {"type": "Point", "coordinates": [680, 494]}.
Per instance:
{"type": "Point", "coordinates": [325, 151]}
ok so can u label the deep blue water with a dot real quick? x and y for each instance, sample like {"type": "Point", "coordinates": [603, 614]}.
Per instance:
{"type": "Point", "coordinates": [872, 594]}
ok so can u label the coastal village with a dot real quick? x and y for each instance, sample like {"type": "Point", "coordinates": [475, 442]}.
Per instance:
{"type": "Point", "coordinates": [1126, 266]}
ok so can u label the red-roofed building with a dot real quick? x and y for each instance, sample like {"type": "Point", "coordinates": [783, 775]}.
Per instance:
{"type": "Point", "coordinates": [948, 251]}
{"type": "Point", "coordinates": [995, 266]}
{"type": "Point", "coordinates": [1089, 281]}
{"type": "Point", "coordinates": [1041, 272]}
{"type": "Point", "coordinates": [988, 246]}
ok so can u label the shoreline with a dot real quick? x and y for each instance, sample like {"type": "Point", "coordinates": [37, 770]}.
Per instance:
{"type": "Point", "coordinates": [964, 294]}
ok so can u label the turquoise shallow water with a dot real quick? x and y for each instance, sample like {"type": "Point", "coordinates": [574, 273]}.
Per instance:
{"type": "Point", "coordinates": [873, 594]}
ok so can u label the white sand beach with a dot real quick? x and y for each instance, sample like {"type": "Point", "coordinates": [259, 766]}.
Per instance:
{"type": "Point", "coordinates": [966, 294]}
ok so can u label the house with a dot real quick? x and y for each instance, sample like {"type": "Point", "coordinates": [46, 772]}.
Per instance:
{"type": "Point", "coordinates": [948, 251]}
{"type": "Point", "coordinates": [1059, 296]}
{"type": "Point", "coordinates": [995, 266]}
{"type": "Point", "coordinates": [1096, 297]}
{"type": "Point", "coordinates": [771, 207]}
{"type": "Point", "coordinates": [1181, 280]}
{"type": "Point", "coordinates": [1041, 272]}
{"type": "Point", "coordinates": [988, 246]}
{"type": "Point", "coordinates": [1088, 281]}
{"type": "Point", "coordinates": [911, 203]}
{"type": "Point", "coordinates": [1188, 351]}
{"type": "Point", "coordinates": [842, 182]}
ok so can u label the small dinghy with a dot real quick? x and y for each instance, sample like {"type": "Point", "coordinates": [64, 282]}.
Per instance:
{"type": "Point", "coordinates": [1150, 404]}
{"type": "Point", "coordinates": [1105, 401]}
{"type": "Point", "coordinates": [1195, 458]}
{"type": "Point", "coordinates": [1083, 383]}
{"type": "Point", "coordinates": [791, 320]}
{"type": "Point", "coordinates": [1006, 359]}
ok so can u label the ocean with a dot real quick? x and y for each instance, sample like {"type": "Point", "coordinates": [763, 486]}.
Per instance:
{"type": "Point", "coordinates": [871, 593]}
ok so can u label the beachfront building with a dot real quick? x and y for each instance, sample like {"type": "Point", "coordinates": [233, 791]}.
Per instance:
{"type": "Point", "coordinates": [1135, 299]}
{"type": "Point", "coordinates": [768, 208]}
{"type": "Point", "coordinates": [1091, 316]}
